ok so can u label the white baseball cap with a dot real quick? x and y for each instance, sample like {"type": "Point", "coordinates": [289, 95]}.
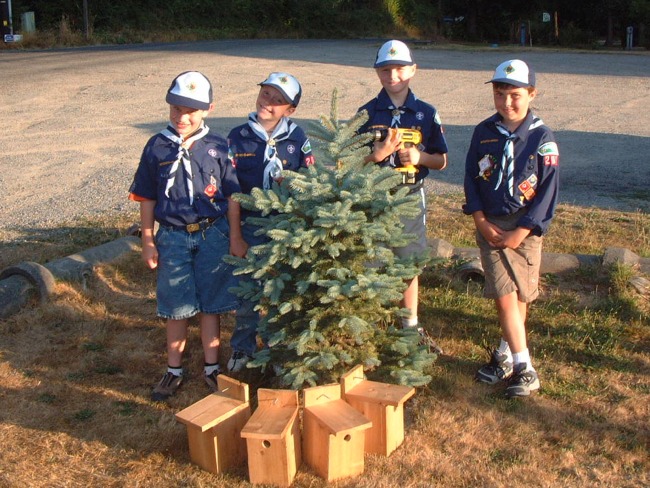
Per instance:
{"type": "Point", "coordinates": [514, 72]}
{"type": "Point", "coordinates": [190, 89]}
{"type": "Point", "coordinates": [393, 52]}
{"type": "Point", "coordinates": [288, 86]}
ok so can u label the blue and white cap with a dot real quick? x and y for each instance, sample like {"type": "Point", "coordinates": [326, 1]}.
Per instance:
{"type": "Point", "coordinates": [393, 52]}
{"type": "Point", "coordinates": [514, 72]}
{"type": "Point", "coordinates": [288, 86]}
{"type": "Point", "coordinates": [190, 89]}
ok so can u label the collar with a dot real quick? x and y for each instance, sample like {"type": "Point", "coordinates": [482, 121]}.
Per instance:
{"type": "Point", "coordinates": [384, 101]}
{"type": "Point", "coordinates": [524, 128]}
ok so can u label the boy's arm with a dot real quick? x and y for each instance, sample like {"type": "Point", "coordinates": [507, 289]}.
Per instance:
{"type": "Point", "coordinates": [238, 246]}
{"type": "Point", "coordinates": [149, 251]}
{"type": "Point", "coordinates": [513, 238]}
{"type": "Point", "coordinates": [542, 209]}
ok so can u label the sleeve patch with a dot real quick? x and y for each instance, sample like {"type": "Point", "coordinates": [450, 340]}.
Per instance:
{"type": "Point", "coordinates": [548, 149]}
{"type": "Point", "coordinates": [306, 147]}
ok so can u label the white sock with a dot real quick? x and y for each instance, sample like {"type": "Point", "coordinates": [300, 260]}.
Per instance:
{"type": "Point", "coordinates": [523, 357]}
{"type": "Point", "coordinates": [211, 368]}
{"type": "Point", "coordinates": [504, 348]}
{"type": "Point", "coordinates": [410, 322]}
{"type": "Point", "coordinates": [175, 371]}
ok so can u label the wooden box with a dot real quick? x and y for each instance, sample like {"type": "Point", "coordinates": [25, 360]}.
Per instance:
{"type": "Point", "coordinates": [382, 404]}
{"type": "Point", "coordinates": [273, 438]}
{"type": "Point", "coordinates": [214, 426]}
{"type": "Point", "coordinates": [333, 433]}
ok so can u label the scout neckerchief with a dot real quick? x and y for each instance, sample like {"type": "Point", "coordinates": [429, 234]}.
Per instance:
{"type": "Point", "coordinates": [282, 131]}
{"type": "Point", "coordinates": [394, 123]}
{"type": "Point", "coordinates": [183, 157]}
{"type": "Point", "coordinates": [507, 161]}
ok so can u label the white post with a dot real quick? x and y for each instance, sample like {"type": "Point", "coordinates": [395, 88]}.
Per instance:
{"type": "Point", "coordinates": [630, 36]}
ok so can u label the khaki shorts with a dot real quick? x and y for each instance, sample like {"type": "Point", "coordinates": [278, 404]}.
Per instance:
{"type": "Point", "coordinates": [417, 225]}
{"type": "Point", "coordinates": [508, 270]}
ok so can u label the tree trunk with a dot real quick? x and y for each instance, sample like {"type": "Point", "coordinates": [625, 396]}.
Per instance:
{"type": "Point", "coordinates": [610, 30]}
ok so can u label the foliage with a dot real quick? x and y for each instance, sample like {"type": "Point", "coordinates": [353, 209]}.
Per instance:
{"type": "Point", "coordinates": [581, 22]}
{"type": "Point", "coordinates": [327, 280]}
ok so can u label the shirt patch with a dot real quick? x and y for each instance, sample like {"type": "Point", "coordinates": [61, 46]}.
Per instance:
{"type": "Point", "coordinates": [485, 165]}
{"type": "Point", "coordinates": [309, 160]}
{"type": "Point", "coordinates": [306, 147]}
{"type": "Point", "coordinates": [488, 141]}
{"type": "Point", "coordinates": [436, 119]}
{"type": "Point", "coordinates": [551, 160]}
{"type": "Point", "coordinates": [548, 149]}
{"type": "Point", "coordinates": [419, 116]}
{"type": "Point", "coordinates": [291, 149]}
{"type": "Point", "coordinates": [212, 152]}
{"type": "Point", "coordinates": [527, 190]}
{"type": "Point", "coordinates": [166, 163]}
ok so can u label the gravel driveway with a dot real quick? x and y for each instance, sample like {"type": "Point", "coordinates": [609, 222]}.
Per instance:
{"type": "Point", "coordinates": [76, 119]}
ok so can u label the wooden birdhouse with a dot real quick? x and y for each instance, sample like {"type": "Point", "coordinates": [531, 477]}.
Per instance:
{"type": "Point", "coordinates": [273, 438]}
{"type": "Point", "coordinates": [333, 433]}
{"type": "Point", "coordinates": [214, 426]}
{"type": "Point", "coordinates": [382, 404]}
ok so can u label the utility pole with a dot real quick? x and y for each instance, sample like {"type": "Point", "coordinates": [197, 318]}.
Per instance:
{"type": "Point", "coordinates": [86, 26]}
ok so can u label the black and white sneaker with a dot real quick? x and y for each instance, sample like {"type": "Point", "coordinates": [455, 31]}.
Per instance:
{"type": "Point", "coordinates": [498, 369]}
{"type": "Point", "coordinates": [523, 382]}
{"type": "Point", "coordinates": [238, 361]}
{"type": "Point", "coordinates": [166, 387]}
{"type": "Point", "coordinates": [211, 379]}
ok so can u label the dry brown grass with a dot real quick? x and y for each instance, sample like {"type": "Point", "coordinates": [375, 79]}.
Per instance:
{"type": "Point", "coordinates": [76, 376]}
{"type": "Point", "coordinates": [575, 230]}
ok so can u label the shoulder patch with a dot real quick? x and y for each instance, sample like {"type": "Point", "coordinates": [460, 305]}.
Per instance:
{"type": "Point", "coordinates": [548, 149]}
{"type": "Point", "coordinates": [306, 147]}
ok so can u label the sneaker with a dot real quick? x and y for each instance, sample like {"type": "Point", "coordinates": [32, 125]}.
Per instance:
{"type": "Point", "coordinates": [523, 382]}
{"type": "Point", "coordinates": [427, 340]}
{"type": "Point", "coordinates": [238, 361]}
{"type": "Point", "coordinates": [498, 369]}
{"type": "Point", "coordinates": [211, 379]}
{"type": "Point", "coordinates": [166, 387]}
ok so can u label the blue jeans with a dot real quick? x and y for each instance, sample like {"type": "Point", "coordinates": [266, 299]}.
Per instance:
{"type": "Point", "coordinates": [192, 276]}
{"type": "Point", "coordinates": [246, 319]}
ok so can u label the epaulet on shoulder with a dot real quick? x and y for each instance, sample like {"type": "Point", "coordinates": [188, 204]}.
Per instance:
{"type": "Point", "coordinates": [537, 122]}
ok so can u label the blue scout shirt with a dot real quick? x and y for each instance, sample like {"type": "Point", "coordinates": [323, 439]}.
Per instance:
{"type": "Point", "coordinates": [247, 153]}
{"type": "Point", "coordinates": [213, 177]}
{"type": "Point", "coordinates": [536, 173]}
{"type": "Point", "coordinates": [417, 114]}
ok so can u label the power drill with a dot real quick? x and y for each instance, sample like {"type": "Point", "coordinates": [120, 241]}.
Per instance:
{"type": "Point", "coordinates": [410, 137]}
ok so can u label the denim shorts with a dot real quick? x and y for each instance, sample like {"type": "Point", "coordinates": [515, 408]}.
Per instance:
{"type": "Point", "coordinates": [192, 276]}
{"type": "Point", "coordinates": [508, 270]}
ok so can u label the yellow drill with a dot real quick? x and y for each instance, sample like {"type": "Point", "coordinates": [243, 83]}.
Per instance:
{"type": "Point", "coordinates": [409, 137]}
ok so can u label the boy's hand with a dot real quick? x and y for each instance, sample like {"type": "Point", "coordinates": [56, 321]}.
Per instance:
{"type": "Point", "coordinates": [238, 247]}
{"type": "Point", "coordinates": [383, 149]}
{"type": "Point", "coordinates": [491, 233]}
{"type": "Point", "coordinates": [513, 238]}
{"type": "Point", "coordinates": [150, 254]}
{"type": "Point", "coordinates": [409, 155]}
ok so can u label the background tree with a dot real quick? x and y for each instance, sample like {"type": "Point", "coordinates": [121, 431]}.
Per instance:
{"type": "Point", "coordinates": [327, 281]}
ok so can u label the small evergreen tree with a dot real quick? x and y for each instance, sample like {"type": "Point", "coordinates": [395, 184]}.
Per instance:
{"type": "Point", "coordinates": [327, 282]}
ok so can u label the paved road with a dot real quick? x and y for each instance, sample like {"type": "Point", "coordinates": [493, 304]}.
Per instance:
{"type": "Point", "coordinates": [77, 119]}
